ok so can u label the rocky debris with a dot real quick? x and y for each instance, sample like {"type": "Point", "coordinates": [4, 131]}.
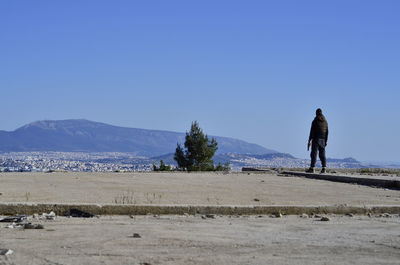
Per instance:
{"type": "Point", "coordinates": [325, 219]}
{"type": "Point", "coordinates": [276, 215]}
{"type": "Point", "coordinates": [349, 214]}
{"type": "Point", "coordinates": [304, 215]}
{"type": "Point", "coordinates": [66, 247]}
{"type": "Point", "coordinates": [386, 215]}
{"type": "Point", "coordinates": [317, 216]}
{"type": "Point", "coordinates": [25, 225]}
{"type": "Point", "coordinates": [32, 226]}
{"type": "Point", "coordinates": [210, 216]}
{"type": "Point", "coordinates": [14, 219]}
{"type": "Point", "coordinates": [13, 225]}
{"type": "Point", "coordinates": [5, 252]}
{"type": "Point", "coordinates": [136, 235]}
{"type": "Point", "coordinates": [78, 213]}
{"type": "Point", "coordinates": [49, 216]}
{"type": "Point", "coordinates": [45, 216]}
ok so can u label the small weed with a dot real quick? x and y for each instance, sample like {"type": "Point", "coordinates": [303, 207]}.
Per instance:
{"type": "Point", "coordinates": [27, 196]}
{"type": "Point", "coordinates": [127, 197]}
{"type": "Point", "coordinates": [216, 199]}
{"type": "Point", "coordinates": [152, 197]}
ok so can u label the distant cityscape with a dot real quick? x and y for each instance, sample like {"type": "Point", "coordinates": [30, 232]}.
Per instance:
{"type": "Point", "coordinates": [72, 161]}
{"type": "Point", "coordinates": [128, 162]}
{"type": "Point", "coordinates": [88, 146]}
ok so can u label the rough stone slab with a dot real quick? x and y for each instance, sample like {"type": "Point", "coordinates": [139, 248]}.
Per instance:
{"type": "Point", "coordinates": [188, 240]}
{"type": "Point", "coordinates": [367, 181]}
{"type": "Point", "coordinates": [206, 188]}
{"type": "Point", "coordinates": [61, 209]}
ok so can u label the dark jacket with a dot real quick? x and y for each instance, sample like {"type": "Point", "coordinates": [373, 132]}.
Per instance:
{"type": "Point", "coordinates": [319, 128]}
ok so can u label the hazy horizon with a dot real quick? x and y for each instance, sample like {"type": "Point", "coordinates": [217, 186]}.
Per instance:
{"type": "Point", "coordinates": [380, 163]}
{"type": "Point", "coordinates": [254, 71]}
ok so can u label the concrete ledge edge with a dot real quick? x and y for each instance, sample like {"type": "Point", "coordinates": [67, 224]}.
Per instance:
{"type": "Point", "coordinates": [372, 182]}
{"type": "Point", "coordinates": [124, 209]}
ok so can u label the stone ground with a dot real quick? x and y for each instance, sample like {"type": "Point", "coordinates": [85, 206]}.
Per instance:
{"type": "Point", "coordinates": [194, 240]}
{"type": "Point", "coordinates": [184, 188]}
{"type": "Point", "coordinates": [189, 239]}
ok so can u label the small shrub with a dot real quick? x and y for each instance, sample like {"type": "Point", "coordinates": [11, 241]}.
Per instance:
{"type": "Point", "coordinates": [127, 197]}
{"type": "Point", "coordinates": [152, 197]}
{"type": "Point", "coordinates": [222, 167]}
{"type": "Point", "coordinates": [162, 167]}
{"type": "Point", "coordinates": [27, 196]}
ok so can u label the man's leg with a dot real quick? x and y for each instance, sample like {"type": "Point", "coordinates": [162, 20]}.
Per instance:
{"type": "Point", "coordinates": [314, 151]}
{"type": "Point", "coordinates": [322, 157]}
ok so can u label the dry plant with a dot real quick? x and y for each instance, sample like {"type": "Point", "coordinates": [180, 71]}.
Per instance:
{"type": "Point", "coordinates": [216, 199]}
{"type": "Point", "coordinates": [27, 196]}
{"type": "Point", "coordinates": [127, 197]}
{"type": "Point", "coordinates": [152, 197]}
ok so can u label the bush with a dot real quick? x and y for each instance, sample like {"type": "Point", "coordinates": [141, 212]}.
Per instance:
{"type": "Point", "coordinates": [222, 167]}
{"type": "Point", "coordinates": [198, 152]}
{"type": "Point", "coordinates": [162, 167]}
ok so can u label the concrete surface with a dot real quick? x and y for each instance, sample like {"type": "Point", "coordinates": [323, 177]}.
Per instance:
{"type": "Point", "coordinates": [197, 239]}
{"type": "Point", "coordinates": [213, 189]}
{"type": "Point", "coordinates": [193, 240]}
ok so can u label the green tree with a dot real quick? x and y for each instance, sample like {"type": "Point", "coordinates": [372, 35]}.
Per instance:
{"type": "Point", "coordinates": [198, 152]}
{"type": "Point", "coordinates": [222, 167]}
{"type": "Point", "coordinates": [180, 157]}
{"type": "Point", "coordinates": [162, 167]}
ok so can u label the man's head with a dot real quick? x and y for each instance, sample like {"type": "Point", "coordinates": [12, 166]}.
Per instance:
{"type": "Point", "coordinates": [318, 112]}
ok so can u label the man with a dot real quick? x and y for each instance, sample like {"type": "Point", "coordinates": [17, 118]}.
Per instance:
{"type": "Point", "coordinates": [318, 140]}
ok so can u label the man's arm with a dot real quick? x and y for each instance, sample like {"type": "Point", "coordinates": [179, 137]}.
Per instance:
{"type": "Point", "coordinates": [311, 136]}
{"type": "Point", "coordinates": [326, 135]}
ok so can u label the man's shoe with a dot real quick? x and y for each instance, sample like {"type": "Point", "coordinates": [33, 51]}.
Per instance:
{"type": "Point", "coordinates": [310, 170]}
{"type": "Point", "coordinates": [323, 170]}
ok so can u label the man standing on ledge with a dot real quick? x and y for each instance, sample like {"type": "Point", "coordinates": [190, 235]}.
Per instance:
{"type": "Point", "coordinates": [318, 140]}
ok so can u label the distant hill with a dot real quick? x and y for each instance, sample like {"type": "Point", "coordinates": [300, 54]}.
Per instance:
{"type": "Point", "coordinates": [88, 136]}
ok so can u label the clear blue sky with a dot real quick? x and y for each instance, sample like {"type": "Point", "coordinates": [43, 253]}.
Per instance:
{"type": "Point", "coordinates": [254, 70]}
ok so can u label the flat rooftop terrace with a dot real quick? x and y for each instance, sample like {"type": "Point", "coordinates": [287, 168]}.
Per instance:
{"type": "Point", "coordinates": [175, 188]}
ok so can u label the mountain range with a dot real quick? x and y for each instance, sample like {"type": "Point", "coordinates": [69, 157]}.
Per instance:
{"type": "Point", "coordinates": [79, 135]}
